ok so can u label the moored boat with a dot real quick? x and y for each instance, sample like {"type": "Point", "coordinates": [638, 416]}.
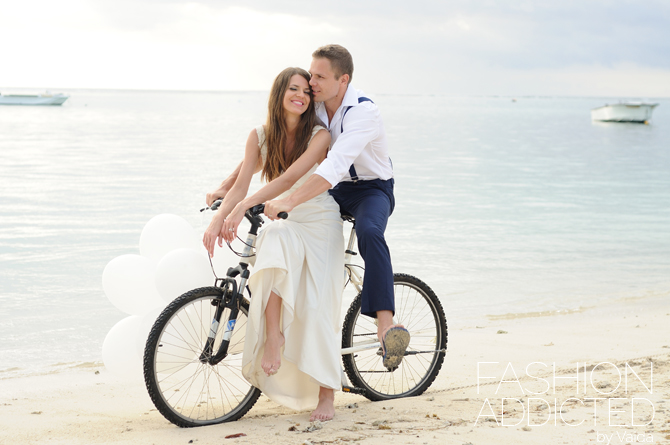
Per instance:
{"type": "Point", "coordinates": [638, 112]}
{"type": "Point", "coordinates": [33, 99]}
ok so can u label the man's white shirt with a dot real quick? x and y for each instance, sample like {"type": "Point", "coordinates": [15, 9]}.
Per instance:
{"type": "Point", "coordinates": [363, 142]}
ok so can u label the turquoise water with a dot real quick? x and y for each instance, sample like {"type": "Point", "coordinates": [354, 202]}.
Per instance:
{"type": "Point", "coordinates": [502, 206]}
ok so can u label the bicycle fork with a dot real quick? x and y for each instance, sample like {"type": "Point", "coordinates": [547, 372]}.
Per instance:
{"type": "Point", "coordinates": [232, 296]}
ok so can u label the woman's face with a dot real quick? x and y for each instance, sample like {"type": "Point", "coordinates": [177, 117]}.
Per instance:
{"type": "Point", "coordinates": [296, 97]}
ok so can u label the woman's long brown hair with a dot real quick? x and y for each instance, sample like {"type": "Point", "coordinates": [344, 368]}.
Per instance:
{"type": "Point", "coordinates": [276, 131]}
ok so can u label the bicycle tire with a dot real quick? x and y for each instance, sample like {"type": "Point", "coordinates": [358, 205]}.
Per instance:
{"type": "Point", "coordinates": [420, 311]}
{"type": "Point", "coordinates": [185, 391]}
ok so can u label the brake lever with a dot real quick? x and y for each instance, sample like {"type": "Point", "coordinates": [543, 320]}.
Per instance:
{"type": "Point", "coordinates": [215, 205]}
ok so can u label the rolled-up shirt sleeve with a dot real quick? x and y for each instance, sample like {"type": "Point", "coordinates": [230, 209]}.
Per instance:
{"type": "Point", "coordinates": [361, 127]}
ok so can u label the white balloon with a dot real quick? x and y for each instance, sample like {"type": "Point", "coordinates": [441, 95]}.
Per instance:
{"type": "Point", "coordinates": [119, 351]}
{"type": "Point", "coordinates": [165, 233]}
{"type": "Point", "coordinates": [182, 270]}
{"type": "Point", "coordinates": [129, 283]}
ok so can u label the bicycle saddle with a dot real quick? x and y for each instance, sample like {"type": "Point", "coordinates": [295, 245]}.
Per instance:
{"type": "Point", "coordinates": [347, 217]}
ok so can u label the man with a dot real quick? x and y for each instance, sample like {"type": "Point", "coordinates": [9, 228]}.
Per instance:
{"type": "Point", "coordinates": [359, 175]}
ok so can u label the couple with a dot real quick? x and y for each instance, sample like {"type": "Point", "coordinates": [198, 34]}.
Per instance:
{"type": "Point", "coordinates": [292, 344]}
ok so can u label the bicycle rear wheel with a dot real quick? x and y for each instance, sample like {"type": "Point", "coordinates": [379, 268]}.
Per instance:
{"type": "Point", "coordinates": [186, 391]}
{"type": "Point", "coordinates": [420, 311]}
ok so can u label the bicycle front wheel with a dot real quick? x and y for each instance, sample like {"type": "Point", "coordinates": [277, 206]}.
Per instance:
{"type": "Point", "coordinates": [185, 390]}
{"type": "Point", "coordinates": [420, 311]}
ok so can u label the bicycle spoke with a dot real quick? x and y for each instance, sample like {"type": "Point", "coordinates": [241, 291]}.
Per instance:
{"type": "Point", "coordinates": [187, 391]}
{"type": "Point", "coordinates": [419, 310]}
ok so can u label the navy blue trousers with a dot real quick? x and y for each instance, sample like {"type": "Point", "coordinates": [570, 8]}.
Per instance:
{"type": "Point", "coordinates": [371, 203]}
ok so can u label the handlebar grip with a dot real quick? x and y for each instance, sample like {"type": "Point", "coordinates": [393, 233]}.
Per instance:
{"type": "Point", "coordinates": [260, 208]}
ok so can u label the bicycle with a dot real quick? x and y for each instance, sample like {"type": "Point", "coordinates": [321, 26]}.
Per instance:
{"type": "Point", "coordinates": [192, 367]}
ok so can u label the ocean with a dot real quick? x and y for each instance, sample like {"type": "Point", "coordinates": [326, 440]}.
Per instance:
{"type": "Point", "coordinates": [503, 206]}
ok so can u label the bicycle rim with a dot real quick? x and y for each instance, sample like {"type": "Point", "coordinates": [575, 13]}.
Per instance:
{"type": "Point", "coordinates": [420, 311]}
{"type": "Point", "coordinates": [187, 392]}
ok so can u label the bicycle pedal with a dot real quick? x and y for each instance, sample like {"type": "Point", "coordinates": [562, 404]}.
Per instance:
{"type": "Point", "coordinates": [353, 390]}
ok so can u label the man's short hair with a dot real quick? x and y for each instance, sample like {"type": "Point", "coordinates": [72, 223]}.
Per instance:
{"type": "Point", "coordinates": [339, 57]}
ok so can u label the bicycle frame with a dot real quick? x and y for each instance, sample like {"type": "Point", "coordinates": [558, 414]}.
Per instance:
{"type": "Point", "coordinates": [356, 280]}
{"type": "Point", "coordinates": [350, 271]}
{"type": "Point", "coordinates": [233, 293]}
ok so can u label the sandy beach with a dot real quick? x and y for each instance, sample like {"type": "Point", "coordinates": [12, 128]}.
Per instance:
{"type": "Point", "coordinates": [598, 375]}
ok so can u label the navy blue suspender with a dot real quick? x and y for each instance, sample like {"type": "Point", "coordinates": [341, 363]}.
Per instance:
{"type": "Point", "coordinates": [352, 170]}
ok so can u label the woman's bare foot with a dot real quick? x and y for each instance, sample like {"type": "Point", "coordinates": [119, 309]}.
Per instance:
{"type": "Point", "coordinates": [325, 410]}
{"type": "Point", "coordinates": [271, 360]}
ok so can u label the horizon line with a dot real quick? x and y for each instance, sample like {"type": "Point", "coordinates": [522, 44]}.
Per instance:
{"type": "Point", "coordinates": [163, 90]}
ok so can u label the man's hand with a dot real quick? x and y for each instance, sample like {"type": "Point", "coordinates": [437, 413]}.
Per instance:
{"type": "Point", "coordinates": [216, 194]}
{"type": "Point", "coordinates": [273, 208]}
{"type": "Point", "coordinates": [314, 186]}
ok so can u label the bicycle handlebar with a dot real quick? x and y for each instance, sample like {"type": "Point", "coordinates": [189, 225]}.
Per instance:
{"type": "Point", "coordinates": [254, 211]}
{"type": "Point", "coordinates": [260, 208]}
{"type": "Point", "coordinates": [215, 205]}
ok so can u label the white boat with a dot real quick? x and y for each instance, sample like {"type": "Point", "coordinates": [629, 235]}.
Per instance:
{"type": "Point", "coordinates": [639, 112]}
{"type": "Point", "coordinates": [33, 99]}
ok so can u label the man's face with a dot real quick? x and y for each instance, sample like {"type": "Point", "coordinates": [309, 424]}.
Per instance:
{"type": "Point", "coordinates": [323, 82]}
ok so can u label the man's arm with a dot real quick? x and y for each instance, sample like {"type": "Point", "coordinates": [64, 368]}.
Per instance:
{"type": "Point", "coordinates": [315, 152]}
{"type": "Point", "coordinates": [314, 186]}
{"type": "Point", "coordinates": [360, 129]}
{"type": "Point", "coordinates": [225, 186]}
{"type": "Point", "coordinates": [228, 183]}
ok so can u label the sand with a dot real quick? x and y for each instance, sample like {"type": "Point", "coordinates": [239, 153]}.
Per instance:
{"type": "Point", "coordinates": [618, 354]}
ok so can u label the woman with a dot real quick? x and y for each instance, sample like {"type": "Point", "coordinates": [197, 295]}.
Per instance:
{"type": "Point", "coordinates": [292, 342]}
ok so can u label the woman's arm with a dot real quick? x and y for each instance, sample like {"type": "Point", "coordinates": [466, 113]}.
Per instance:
{"type": "Point", "coordinates": [315, 153]}
{"type": "Point", "coordinates": [238, 190]}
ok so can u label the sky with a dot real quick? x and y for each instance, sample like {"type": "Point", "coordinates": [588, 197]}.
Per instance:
{"type": "Point", "coordinates": [444, 47]}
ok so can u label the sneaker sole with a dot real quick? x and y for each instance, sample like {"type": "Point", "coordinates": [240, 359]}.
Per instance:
{"type": "Point", "coordinates": [395, 345]}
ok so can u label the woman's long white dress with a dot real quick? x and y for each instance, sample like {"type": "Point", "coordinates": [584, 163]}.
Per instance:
{"type": "Point", "coordinates": [301, 259]}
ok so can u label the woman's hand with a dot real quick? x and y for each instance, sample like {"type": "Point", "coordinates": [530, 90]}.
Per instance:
{"type": "Point", "coordinates": [212, 233]}
{"type": "Point", "coordinates": [232, 222]}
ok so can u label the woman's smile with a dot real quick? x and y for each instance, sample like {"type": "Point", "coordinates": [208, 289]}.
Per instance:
{"type": "Point", "coordinates": [296, 98]}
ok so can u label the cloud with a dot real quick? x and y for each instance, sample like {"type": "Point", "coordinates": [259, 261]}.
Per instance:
{"type": "Point", "coordinates": [511, 34]}
{"type": "Point", "coordinates": [455, 47]}
{"type": "Point", "coordinates": [181, 46]}
{"type": "Point", "coordinates": [544, 35]}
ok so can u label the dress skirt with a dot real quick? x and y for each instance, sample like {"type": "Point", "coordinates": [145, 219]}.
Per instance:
{"type": "Point", "coordinates": [302, 260]}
